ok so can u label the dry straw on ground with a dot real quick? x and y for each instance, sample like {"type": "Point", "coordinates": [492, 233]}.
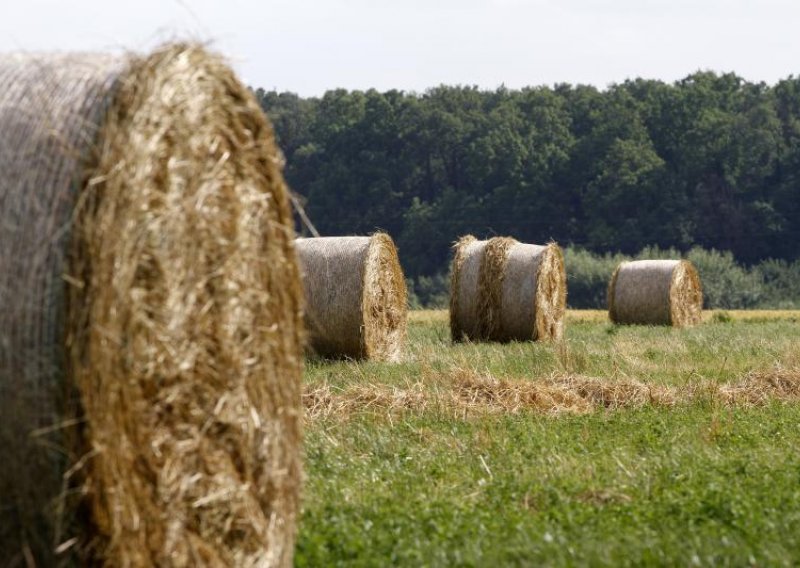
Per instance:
{"type": "Point", "coordinates": [761, 387]}
{"type": "Point", "coordinates": [655, 292]}
{"type": "Point", "coordinates": [464, 393]}
{"type": "Point", "coordinates": [356, 304]}
{"type": "Point", "coordinates": [503, 290]}
{"type": "Point", "coordinates": [150, 311]}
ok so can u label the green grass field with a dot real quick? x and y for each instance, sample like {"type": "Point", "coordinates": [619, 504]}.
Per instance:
{"type": "Point", "coordinates": [619, 446]}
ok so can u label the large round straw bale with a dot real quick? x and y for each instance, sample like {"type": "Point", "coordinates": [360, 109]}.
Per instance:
{"type": "Point", "coordinates": [504, 290]}
{"type": "Point", "coordinates": [150, 304]}
{"type": "Point", "coordinates": [655, 292]}
{"type": "Point", "coordinates": [356, 303]}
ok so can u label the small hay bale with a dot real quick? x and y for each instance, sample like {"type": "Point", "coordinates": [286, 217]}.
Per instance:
{"type": "Point", "coordinates": [150, 308]}
{"type": "Point", "coordinates": [504, 290]}
{"type": "Point", "coordinates": [655, 292]}
{"type": "Point", "coordinates": [356, 299]}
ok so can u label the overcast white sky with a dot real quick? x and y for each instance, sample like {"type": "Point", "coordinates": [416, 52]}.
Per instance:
{"type": "Point", "coordinates": [309, 46]}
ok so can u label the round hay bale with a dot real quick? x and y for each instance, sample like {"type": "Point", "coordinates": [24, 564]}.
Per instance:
{"type": "Point", "coordinates": [655, 292]}
{"type": "Point", "coordinates": [150, 309]}
{"type": "Point", "coordinates": [504, 290]}
{"type": "Point", "coordinates": [465, 317]}
{"type": "Point", "coordinates": [356, 300]}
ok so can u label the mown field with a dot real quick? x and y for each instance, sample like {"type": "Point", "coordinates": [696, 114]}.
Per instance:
{"type": "Point", "coordinates": [618, 446]}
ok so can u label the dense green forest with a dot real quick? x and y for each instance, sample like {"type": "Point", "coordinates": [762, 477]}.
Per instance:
{"type": "Point", "coordinates": [711, 162]}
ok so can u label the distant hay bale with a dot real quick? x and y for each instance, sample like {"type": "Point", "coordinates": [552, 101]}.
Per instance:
{"type": "Point", "coordinates": [356, 303]}
{"type": "Point", "coordinates": [655, 292]}
{"type": "Point", "coordinates": [150, 309]}
{"type": "Point", "coordinates": [504, 290]}
{"type": "Point", "coordinates": [465, 318]}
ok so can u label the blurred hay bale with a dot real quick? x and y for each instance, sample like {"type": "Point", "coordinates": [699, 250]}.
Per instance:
{"type": "Point", "coordinates": [655, 292]}
{"type": "Point", "coordinates": [504, 290]}
{"type": "Point", "coordinates": [356, 304]}
{"type": "Point", "coordinates": [150, 308]}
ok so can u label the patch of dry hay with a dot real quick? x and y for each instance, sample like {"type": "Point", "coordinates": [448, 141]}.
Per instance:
{"type": "Point", "coordinates": [356, 297]}
{"type": "Point", "coordinates": [462, 393]}
{"type": "Point", "coordinates": [559, 393]}
{"type": "Point", "coordinates": [655, 292]}
{"type": "Point", "coordinates": [325, 401]}
{"type": "Point", "coordinates": [182, 325]}
{"type": "Point", "coordinates": [758, 388]}
{"type": "Point", "coordinates": [503, 290]}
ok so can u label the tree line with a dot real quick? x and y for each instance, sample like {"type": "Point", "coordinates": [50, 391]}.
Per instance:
{"type": "Point", "coordinates": [711, 161]}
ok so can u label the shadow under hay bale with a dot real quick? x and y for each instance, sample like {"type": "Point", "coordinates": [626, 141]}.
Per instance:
{"type": "Point", "coordinates": [504, 290]}
{"type": "Point", "coordinates": [655, 292]}
{"type": "Point", "coordinates": [356, 304]}
{"type": "Point", "coordinates": [150, 304]}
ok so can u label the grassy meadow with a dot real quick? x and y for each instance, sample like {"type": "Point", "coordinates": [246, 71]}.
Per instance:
{"type": "Point", "coordinates": [617, 446]}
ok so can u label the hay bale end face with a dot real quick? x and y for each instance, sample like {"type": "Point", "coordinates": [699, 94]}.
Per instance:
{"type": "Point", "coordinates": [465, 318]}
{"type": "Point", "coordinates": [356, 299]}
{"type": "Point", "coordinates": [504, 290]}
{"type": "Point", "coordinates": [150, 308]}
{"type": "Point", "coordinates": [655, 292]}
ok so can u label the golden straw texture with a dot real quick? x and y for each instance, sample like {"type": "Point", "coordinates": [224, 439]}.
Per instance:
{"type": "Point", "coordinates": [655, 292]}
{"type": "Point", "coordinates": [503, 290]}
{"type": "Point", "coordinates": [490, 286]}
{"type": "Point", "coordinates": [356, 303]}
{"type": "Point", "coordinates": [465, 322]}
{"type": "Point", "coordinates": [181, 331]}
{"type": "Point", "coordinates": [464, 393]}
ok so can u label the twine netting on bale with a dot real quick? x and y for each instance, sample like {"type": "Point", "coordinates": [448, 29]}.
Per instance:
{"type": "Point", "coordinates": [150, 309]}
{"type": "Point", "coordinates": [356, 304]}
{"type": "Point", "coordinates": [504, 290]}
{"type": "Point", "coordinates": [655, 292]}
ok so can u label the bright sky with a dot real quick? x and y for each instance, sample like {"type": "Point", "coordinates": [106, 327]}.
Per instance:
{"type": "Point", "coordinates": [309, 46]}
